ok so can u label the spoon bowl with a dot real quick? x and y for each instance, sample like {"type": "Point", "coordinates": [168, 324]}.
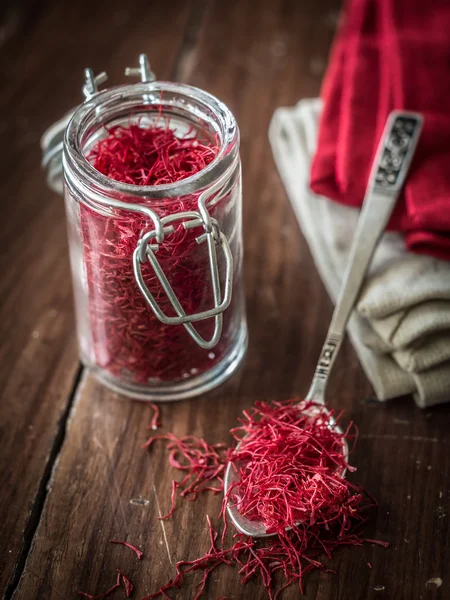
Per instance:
{"type": "Point", "coordinates": [254, 528]}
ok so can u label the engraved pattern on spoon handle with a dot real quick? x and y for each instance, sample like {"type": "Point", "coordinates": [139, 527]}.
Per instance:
{"type": "Point", "coordinates": [389, 169]}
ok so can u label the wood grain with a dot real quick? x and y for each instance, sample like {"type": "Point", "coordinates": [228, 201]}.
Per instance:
{"type": "Point", "coordinates": [255, 56]}
{"type": "Point", "coordinates": [38, 356]}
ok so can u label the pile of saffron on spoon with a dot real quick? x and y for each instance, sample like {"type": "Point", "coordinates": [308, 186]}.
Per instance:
{"type": "Point", "coordinates": [128, 340]}
{"type": "Point", "coordinates": [290, 463]}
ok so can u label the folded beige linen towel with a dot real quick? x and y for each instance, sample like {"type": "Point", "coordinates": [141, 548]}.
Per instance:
{"type": "Point", "coordinates": [401, 326]}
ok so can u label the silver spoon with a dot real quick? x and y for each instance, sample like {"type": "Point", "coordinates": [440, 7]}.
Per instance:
{"type": "Point", "coordinates": [389, 169]}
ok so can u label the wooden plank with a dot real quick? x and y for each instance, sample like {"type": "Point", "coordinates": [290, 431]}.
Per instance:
{"type": "Point", "coordinates": [38, 355]}
{"type": "Point", "coordinates": [255, 56]}
{"type": "Point", "coordinates": [42, 65]}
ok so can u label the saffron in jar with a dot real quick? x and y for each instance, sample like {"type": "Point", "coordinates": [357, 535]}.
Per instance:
{"type": "Point", "coordinates": [129, 341]}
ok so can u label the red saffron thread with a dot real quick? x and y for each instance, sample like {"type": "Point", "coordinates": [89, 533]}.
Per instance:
{"type": "Point", "coordinates": [129, 587]}
{"type": "Point", "coordinates": [290, 465]}
{"type": "Point", "coordinates": [377, 542]}
{"type": "Point", "coordinates": [154, 423]}
{"type": "Point", "coordinates": [128, 340]}
{"type": "Point", "coordinates": [202, 463]}
{"type": "Point", "coordinates": [138, 552]}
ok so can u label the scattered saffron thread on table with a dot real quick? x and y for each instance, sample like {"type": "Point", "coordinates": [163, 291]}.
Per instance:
{"type": "Point", "coordinates": [129, 341]}
{"type": "Point", "coordinates": [204, 463]}
{"type": "Point", "coordinates": [138, 552]}
{"type": "Point", "coordinates": [290, 470]}
{"type": "Point", "coordinates": [128, 586]}
{"type": "Point", "coordinates": [154, 423]}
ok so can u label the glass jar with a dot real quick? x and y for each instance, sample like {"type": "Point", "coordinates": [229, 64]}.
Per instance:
{"type": "Point", "coordinates": [157, 270]}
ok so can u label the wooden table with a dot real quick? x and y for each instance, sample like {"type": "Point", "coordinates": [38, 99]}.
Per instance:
{"type": "Point", "coordinates": [72, 473]}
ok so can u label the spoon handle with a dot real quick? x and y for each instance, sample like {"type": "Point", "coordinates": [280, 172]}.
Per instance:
{"type": "Point", "coordinates": [389, 169]}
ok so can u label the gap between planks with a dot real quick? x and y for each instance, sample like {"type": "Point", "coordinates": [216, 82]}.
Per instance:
{"type": "Point", "coordinates": [42, 491]}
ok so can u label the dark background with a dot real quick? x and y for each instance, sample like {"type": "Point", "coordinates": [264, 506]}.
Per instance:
{"type": "Point", "coordinates": [72, 475]}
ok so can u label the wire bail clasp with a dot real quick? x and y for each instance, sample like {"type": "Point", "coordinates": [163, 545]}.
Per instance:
{"type": "Point", "coordinates": [143, 70]}
{"type": "Point", "coordinates": [214, 238]}
{"type": "Point", "coordinates": [91, 82]}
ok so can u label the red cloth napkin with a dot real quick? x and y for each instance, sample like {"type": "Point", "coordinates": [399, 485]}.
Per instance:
{"type": "Point", "coordinates": [390, 54]}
